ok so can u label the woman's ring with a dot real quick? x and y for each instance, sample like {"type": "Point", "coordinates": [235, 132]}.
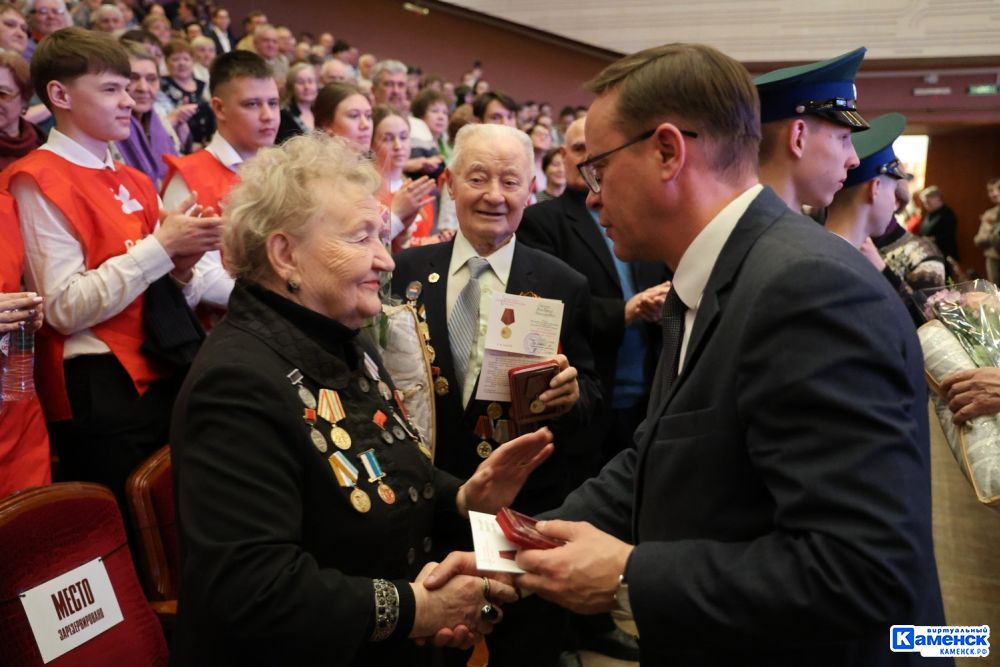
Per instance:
{"type": "Point", "coordinates": [486, 588]}
{"type": "Point", "coordinates": [489, 613]}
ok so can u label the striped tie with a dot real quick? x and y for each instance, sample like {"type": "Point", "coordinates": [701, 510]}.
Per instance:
{"type": "Point", "coordinates": [464, 320]}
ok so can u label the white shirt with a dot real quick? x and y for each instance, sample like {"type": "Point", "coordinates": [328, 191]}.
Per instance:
{"type": "Point", "coordinates": [76, 298]}
{"type": "Point", "coordinates": [223, 39]}
{"type": "Point", "coordinates": [695, 267]}
{"type": "Point", "coordinates": [493, 280]}
{"type": "Point", "coordinates": [218, 284]}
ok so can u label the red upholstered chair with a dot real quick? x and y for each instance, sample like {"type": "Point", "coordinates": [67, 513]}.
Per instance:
{"type": "Point", "coordinates": [47, 531]}
{"type": "Point", "coordinates": [150, 493]}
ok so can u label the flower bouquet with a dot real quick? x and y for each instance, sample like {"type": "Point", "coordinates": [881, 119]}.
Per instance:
{"type": "Point", "coordinates": [963, 332]}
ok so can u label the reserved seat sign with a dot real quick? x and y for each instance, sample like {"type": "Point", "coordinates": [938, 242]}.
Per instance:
{"type": "Point", "coordinates": [71, 609]}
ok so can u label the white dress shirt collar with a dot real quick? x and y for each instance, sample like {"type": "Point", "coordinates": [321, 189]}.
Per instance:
{"type": "Point", "coordinates": [500, 260]}
{"type": "Point", "coordinates": [70, 150]}
{"type": "Point", "coordinates": [224, 152]}
{"type": "Point", "coordinates": [695, 267]}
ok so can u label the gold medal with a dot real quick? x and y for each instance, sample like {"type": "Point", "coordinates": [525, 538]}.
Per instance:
{"type": "Point", "coordinates": [425, 450]}
{"type": "Point", "coordinates": [494, 410]}
{"type": "Point", "coordinates": [441, 386]}
{"type": "Point", "coordinates": [431, 354]}
{"type": "Point", "coordinates": [340, 437]}
{"type": "Point", "coordinates": [386, 493]}
{"type": "Point", "coordinates": [307, 397]}
{"type": "Point", "coordinates": [318, 440]}
{"type": "Point", "coordinates": [505, 332]}
{"type": "Point", "coordinates": [360, 500]}
{"type": "Point", "coordinates": [484, 449]}
{"type": "Point", "coordinates": [537, 407]}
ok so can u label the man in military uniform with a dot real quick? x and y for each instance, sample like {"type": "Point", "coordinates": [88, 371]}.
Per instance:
{"type": "Point", "coordinates": [863, 209]}
{"type": "Point", "coordinates": [490, 180]}
{"type": "Point", "coordinates": [807, 116]}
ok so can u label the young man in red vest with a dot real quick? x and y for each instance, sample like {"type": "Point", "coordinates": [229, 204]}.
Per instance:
{"type": "Point", "coordinates": [246, 105]}
{"type": "Point", "coordinates": [94, 242]}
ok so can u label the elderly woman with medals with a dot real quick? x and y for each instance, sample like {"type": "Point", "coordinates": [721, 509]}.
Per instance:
{"type": "Point", "coordinates": [305, 496]}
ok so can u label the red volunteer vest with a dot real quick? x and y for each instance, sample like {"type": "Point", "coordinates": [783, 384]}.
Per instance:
{"type": "Point", "coordinates": [24, 441]}
{"type": "Point", "coordinates": [204, 174]}
{"type": "Point", "coordinates": [101, 207]}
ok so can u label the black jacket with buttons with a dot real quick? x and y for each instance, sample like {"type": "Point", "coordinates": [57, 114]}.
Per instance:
{"type": "Point", "coordinates": [276, 563]}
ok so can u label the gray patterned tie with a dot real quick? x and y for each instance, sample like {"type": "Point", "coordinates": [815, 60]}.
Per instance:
{"type": "Point", "coordinates": [464, 319]}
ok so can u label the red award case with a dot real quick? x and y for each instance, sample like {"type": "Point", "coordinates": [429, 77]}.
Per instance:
{"type": "Point", "coordinates": [520, 529]}
{"type": "Point", "coordinates": [526, 383]}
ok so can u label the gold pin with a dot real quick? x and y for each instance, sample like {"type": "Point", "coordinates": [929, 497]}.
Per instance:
{"type": "Point", "coordinates": [494, 410]}
{"type": "Point", "coordinates": [433, 278]}
{"type": "Point", "coordinates": [484, 449]}
{"type": "Point", "coordinates": [441, 386]}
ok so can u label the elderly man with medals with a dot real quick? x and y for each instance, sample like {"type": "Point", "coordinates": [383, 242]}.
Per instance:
{"type": "Point", "coordinates": [453, 287]}
{"type": "Point", "coordinates": [306, 499]}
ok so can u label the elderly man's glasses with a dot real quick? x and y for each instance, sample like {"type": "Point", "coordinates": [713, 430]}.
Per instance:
{"type": "Point", "coordinates": [45, 11]}
{"type": "Point", "coordinates": [592, 175]}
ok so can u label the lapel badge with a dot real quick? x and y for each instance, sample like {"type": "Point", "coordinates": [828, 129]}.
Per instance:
{"type": "Point", "coordinates": [434, 277]}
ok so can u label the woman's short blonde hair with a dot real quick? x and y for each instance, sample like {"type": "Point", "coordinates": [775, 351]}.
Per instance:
{"type": "Point", "coordinates": [281, 189]}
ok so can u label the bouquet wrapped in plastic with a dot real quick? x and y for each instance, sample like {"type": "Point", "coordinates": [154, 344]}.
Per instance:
{"type": "Point", "coordinates": [963, 332]}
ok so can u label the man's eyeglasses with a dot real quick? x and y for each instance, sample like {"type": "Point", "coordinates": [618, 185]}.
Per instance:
{"type": "Point", "coordinates": [45, 11]}
{"type": "Point", "coordinates": [588, 168]}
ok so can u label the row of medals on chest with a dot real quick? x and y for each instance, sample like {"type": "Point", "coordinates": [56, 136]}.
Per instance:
{"type": "Point", "coordinates": [493, 428]}
{"type": "Point", "coordinates": [327, 406]}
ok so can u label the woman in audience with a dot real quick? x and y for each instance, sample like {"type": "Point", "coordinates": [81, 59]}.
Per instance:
{"type": "Point", "coordinates": [304, 495]}
{"type": "Point", "coordinates": [554, 168]}
{"type": "Point", "coordinates": [18, 137]}
{"type": "Point", "coordinates": [203, 50]}
{"type": "Point", "coordinates": [343, 110]}
{"type": "Point", "coordinates": [13, 29]}
{"type": "Point", "coordinates": [184, 96]}
{"type": "Point", "coordinates": [150, 139]}
{"type": "Point", "coordinates": [158, 25]}
{"type": "Point", "coordinates": [391, 149]}
{"type": "Point", "coordinates": [431, 106]}
{"type": "Point", "coordinates": [300, 94]}
{"type": "Point", "coordinates": [541, 140]}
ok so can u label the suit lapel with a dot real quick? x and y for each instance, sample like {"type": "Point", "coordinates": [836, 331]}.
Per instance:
{"type": "Point", "coordinates": [763, 211]}
{"type": "Point", "coordinates": [583, 225]}
{"type": "Point", "coordinates": [436, 301]}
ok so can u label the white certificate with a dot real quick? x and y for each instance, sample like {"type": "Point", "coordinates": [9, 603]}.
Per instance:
{"type": "Point", "coordinates": [494, 552]}
{"type": "Point", "coordinates": [520, 330]}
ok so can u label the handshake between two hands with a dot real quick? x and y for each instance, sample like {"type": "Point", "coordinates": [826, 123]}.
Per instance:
{"type": "Point", "coordinates": [456, 604]}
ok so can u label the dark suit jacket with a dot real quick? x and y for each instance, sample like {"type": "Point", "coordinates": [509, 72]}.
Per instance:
{"type": "Point", "coordinates": [531, 271]}
{"type": "Point", "coordinates": [779, 496]}
{"type": "Point", "coordinates": [564, 227]}
{"type": "Point", "coordinates": [210, 33]}
{"type": "Point", "coordinates": [276, 564]}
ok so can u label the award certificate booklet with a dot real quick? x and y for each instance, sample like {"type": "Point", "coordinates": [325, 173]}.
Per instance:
{"type": "Point", "coordinates": [520, 330]}
{"type": "Point", "coordinates": [494, 552]}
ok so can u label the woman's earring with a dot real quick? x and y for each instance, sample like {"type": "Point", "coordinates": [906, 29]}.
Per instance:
{"type": "Point", "coordinates": [292, 286]}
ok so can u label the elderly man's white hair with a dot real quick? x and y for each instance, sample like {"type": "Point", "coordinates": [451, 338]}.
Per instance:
{"type": "Point", "coordinates": [387, 67]}
{"type": "Point", "coordinates": [490, 133]}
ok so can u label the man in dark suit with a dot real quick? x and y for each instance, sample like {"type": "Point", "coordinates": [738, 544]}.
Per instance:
{"type": "Point", "coordinates": [490, 179]}
{"type": "Point", "coordinates": [777, 508]}
{"type": "Point", "coordinates": [625, 303]}
{"type": "Point", "coordinates": [218, 31]}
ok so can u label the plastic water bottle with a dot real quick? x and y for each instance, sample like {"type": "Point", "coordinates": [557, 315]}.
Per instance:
{"type": "Point", "coordinates": [18, 381]}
